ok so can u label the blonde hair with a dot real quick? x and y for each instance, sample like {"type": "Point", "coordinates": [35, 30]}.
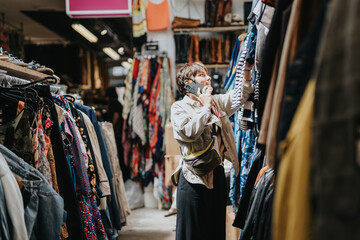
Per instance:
{"type": "Point", "coordinates": [188, 71]}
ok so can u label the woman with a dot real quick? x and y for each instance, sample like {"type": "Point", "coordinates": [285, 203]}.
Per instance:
{"type": "Point", "coordinates": [199, 121]}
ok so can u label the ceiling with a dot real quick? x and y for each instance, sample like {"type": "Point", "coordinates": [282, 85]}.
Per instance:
{"type": "Point", "coordinates": [45, 22]}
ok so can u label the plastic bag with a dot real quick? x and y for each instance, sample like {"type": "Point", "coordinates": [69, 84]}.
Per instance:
{"type": "Point", "coordinates": [134, 194]}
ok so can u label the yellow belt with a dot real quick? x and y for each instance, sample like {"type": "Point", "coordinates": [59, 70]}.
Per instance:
{"type": "Point", "coordinates": [197, 154]}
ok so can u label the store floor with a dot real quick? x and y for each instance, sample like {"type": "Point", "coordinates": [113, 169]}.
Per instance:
{"type": "Point", "coordinates": [145, 223]}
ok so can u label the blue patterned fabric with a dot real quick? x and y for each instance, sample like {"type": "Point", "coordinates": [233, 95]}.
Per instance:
{"type": "Point", "coordinates": [237, 134]}
{"type": "Point", "coordinates": [232, 191]}
{"type": "Point", "coordinates": [230, 84]}
{"type": "Point", "coordinates": [248, 148]}
{"type": "Point", "coordinates": [233, 62]}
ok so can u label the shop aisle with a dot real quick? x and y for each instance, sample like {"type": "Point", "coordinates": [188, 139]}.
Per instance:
{"type": "Point", "coordinates": [146, 223]}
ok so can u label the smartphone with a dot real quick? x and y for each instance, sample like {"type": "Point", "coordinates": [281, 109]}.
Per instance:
{"type": "Point", "coordinates": [193, 87]}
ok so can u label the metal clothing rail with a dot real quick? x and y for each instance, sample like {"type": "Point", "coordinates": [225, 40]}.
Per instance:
{"type": "Point", "coordinates": [8, 81]}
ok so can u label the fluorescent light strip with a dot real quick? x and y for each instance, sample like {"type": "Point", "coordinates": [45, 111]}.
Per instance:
{"type": "Point", "coordinates": [84, 32]}
{"type": "Point", "coordinates": [103, 32]}
{"type": "Point", "coordinates": [111, 53]}
{"type": "Point", "coordinates": [126, 65]}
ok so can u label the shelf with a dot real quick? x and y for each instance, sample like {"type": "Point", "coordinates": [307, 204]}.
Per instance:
{"type": "Point", "coordinates": [216, 65]}
{"type": "Point", "coordinates": [212, 29]}
{"type": "Point", "coordinates": [21, 72]}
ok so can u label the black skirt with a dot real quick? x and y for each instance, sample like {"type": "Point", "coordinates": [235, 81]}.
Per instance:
{"type": "Point", "coordinates": [201, 212]}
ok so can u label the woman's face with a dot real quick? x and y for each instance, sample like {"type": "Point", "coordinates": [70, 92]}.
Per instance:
{"type": "Point", "coordinates": [203, 78]}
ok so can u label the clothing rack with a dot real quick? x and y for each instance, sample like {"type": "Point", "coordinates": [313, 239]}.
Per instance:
{"type": "Point", "coordinates": [153, 54]}
{"type": "Point", "coordinates": [8, 81]}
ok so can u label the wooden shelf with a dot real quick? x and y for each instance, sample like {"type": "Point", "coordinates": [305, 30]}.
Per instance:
{"type": "Point", "coordinates": [21, 72]}
{"type": "Point", "coordinates": [216, 65]}
{"type": "Point", "coordinates": [212, 29]}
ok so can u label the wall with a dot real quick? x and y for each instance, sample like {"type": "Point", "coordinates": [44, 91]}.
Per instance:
{"type": "Point", "coordinates": [184, 8]}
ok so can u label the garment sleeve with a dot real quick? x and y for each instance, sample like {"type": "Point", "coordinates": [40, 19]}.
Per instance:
{"type": "Point", "coordinates": [188, 127]}
{"type": "Point", "coordinates": [224, 101]}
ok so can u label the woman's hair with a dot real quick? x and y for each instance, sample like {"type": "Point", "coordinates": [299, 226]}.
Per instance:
{"type": "Point", "coordinates": [188, 71]}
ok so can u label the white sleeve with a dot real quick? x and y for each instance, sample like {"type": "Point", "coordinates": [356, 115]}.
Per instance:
{"type": "Point", "coordinates": [188, 127]}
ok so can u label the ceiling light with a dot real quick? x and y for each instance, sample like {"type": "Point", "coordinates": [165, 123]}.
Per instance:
{"type": "Point", "coordinates": [111, 53]}
{"type": "Point", "coordinates": [121, 50]}
{"type": "Point", "coordinates": [84, 32]}
{"type": "Point", "coordinates": [103, 32]}
{"type": "Point", "coordinates": [130, 60]}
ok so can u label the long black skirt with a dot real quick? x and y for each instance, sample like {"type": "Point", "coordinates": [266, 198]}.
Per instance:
{"type": "Point", "coordinates": [201, 212]}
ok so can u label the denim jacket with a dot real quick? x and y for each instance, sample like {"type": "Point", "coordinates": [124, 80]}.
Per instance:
{"type": "Point", "coordinates": [44, 208]}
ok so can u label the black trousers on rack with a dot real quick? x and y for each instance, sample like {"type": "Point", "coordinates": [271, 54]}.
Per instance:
{"type": "Point", "coordinates": [201, 212]}
{"type": "Point", "coordinates": [65, 183]}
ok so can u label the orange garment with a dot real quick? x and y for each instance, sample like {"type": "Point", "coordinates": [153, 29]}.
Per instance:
{"type": "Point", "coordinates": [157, 15]}
{"type": "Point", "coordinates": [261, 173]}
{"type": "Point", "coordinates": [20, 107]}
{"type": "Point", "coordinates": [153, 115]}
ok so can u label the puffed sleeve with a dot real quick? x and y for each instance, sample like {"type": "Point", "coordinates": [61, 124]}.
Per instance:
{"type": "Point", "coordinates": [188, 127]}
{"type": "Point", "coordinates": [224, 101]}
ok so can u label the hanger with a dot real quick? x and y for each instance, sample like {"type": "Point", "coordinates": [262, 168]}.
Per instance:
{"type": "Point", "coordinates": [27, 95]}
{"type": "Point", "coordinates": [164, 54]}
{"type": "Point", "coordinates": [9, 81]}
{"type": "Point", "coordinates": [45, 79]}
{"type": "Point", "coordinates": [70, 98]}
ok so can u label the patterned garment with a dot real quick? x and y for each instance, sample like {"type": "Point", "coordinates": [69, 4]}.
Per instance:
{"type": "Point", "coordinates": [162, 190]}
{"type": "Point", "coordinates": [41, 147]}
{"type": "Point", "coordinates": [237, 115]}
{"type": "Point", "coordinates": [248, 148]}
{"type": "Point", "coordinates": [62, 102]}
{"type": "Point", "coordinates": [248, 110]}
{"type": "Point", "coordinates": [90, 214]}
{"type": "Point", "coordinates": [233, 62]}
{"type": "Point", "coordinates": [91, 168]}
{"type": "Point", "coordinates": [47, 124]}
{"type": "Point", "coordinates": [136, 119]}
{"type": "Point", "coordinates": [93, 227]}
{"type": "Point", "coordinates": [139, 18]}
{"type": "Point", "coordinates": [80, 159]}
{"type": "Point", "coordinates": [230, 84]}
{"type": "Point", "coordinates": [143, 86]}
{"type": "Point", "coordinates": [166, 97]}
{"type": "Point", "coordinates": [135, 158]}
{"type": "Point", "coordinates": [128, 90]}
{"type": "Point", "coordinates": [154, 121]}
{"type": "Point", "coordinates": [232, 190]}
{"type": "Point", "coordinates": [51, 159]}
{"type": "Point", "coordinates": [65, 133]}
{"type": "Point", "coordinates": [233, 185]}
{"type": "Point", "coordinates": [240, 77]}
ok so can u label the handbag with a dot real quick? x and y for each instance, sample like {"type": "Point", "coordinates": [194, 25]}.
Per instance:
{"type": "Point", "coordinates": [203, 162]}
{"type": "Point", "coordinates": [180, 22]}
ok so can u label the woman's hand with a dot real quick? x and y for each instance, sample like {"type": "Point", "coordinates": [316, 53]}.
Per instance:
{"type": "Point", "coordinates": [205, 97]}
{"type": "Point", "coordinates": [248, 66]}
